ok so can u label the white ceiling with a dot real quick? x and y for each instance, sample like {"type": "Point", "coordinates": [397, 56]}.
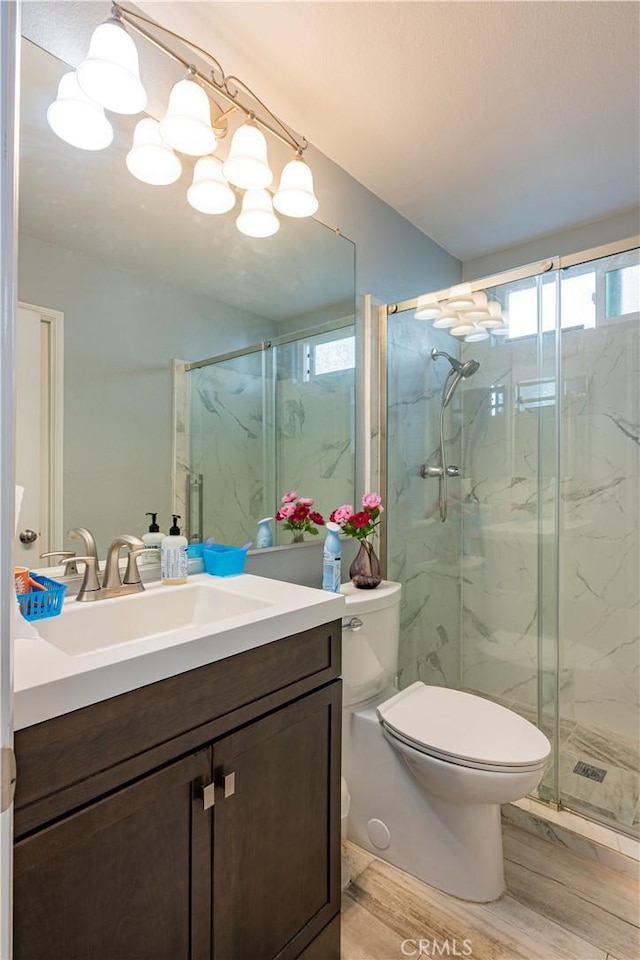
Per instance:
{"type": "Point", "coordinates": [486, 124]}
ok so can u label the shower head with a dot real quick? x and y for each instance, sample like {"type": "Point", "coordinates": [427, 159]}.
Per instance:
{"type": "Point", "coordinates": [466, 369]}
{"type": "Point", "coordinates": [459, 371]}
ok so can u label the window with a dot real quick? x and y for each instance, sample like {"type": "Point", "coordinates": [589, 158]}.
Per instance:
{"type": "Point", "coordinates": [577, 305]}
{"type": "Point", "coordinates": [331, 356]}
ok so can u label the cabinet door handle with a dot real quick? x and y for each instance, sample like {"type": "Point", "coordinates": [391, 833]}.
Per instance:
{"type": "Point", "coordinates": [228, 783]}
{"type": "Point", "coordinates": [209, 795]}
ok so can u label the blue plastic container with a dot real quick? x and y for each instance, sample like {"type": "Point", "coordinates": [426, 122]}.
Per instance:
{"type": "Point", "coordinates": [39, 604]}
{"type": "Point", "coordinates": [223, 561]}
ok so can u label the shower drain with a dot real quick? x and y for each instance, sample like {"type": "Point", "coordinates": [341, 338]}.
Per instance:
{"type": "Point", "coordinates": [591, 773]}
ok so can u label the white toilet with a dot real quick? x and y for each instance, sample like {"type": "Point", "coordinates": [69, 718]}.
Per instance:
{"type": "Point", "coordinates": [427, 768]}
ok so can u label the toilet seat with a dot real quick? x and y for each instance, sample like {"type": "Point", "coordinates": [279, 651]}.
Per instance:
{"type": "Point", "coordinates": [463, 729]}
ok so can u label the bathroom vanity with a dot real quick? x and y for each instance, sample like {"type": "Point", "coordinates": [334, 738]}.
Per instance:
{"type": "Point", "coordinates": [197, 816]}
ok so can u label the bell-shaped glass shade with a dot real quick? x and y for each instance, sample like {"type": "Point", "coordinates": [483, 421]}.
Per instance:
{"type": "Point", "coordinates": [460, 297]}
{"type": "Point", "coordinates": [150, 158]}
{"type": "Point", "coordinates": [477, 336]}
{"type": "Point", "coordinates": [478, 310]}
{"type": "Point", "coordinates": [110, 75]}
{"type": "Point", "coordinates": [462, 328]}
{"type": "Point", "coordinates": [76, 119]}
{"type": "Point", "coordinates": [295, 196]}
{"type": "Point", "coordinates": [428, 309]}
{"type": "Point", "coordinates": [210, 192]}
{"type": "Point", "coordinates": [247, 166]}
{"type": "Point", "coordinates": [187, 123]}
{"type": "Point", "coordinates": [446, 320]}
{"type": "Point", "coordinates": [494, 319]}
{"type": "Point", "coordinates": [257, 219]}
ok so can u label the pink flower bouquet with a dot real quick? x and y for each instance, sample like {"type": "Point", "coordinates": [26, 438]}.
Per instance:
{"type": "Point", "coordinates": [363, 523]}
{"type": "Point", "coordinates": [298, 516]}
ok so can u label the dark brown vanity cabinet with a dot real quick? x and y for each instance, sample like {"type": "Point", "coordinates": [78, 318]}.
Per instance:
{"type": "Point", "coordinates": [222, 842]}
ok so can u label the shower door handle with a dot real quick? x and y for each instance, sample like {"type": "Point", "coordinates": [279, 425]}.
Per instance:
{"type": "Point", "coordinates": [453, 471]}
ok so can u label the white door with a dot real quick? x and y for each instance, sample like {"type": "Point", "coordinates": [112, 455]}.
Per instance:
{"type": "Point", "coordinates": [38, 437]}
{"type": "Point", "coordinates": [9, 44]}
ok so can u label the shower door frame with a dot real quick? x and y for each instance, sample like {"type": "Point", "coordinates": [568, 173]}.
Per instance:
{"type": "Point", "coordinates": [379, 441]}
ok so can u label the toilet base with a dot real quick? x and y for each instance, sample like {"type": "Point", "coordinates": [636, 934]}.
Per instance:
{"type": "Point", "coordinates": [454, 847]}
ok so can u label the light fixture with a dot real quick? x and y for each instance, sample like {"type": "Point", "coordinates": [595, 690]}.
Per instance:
{"type": "Point", "coordinates": [247, 166]}
{"type": "Point", "coordinates": [109, 78]}
{"type": "Point", "coordinates": [295, 196]}
{"type": "Point", "coordinates": [210, 192]}
{"type": "Point", "coordinates": [477, 335]}
{"type": "Point", "coordinates": [257, 219]}
{"type": "Point", "coordinates": [428, 308]}
{"type": "Point", "coordinates": [494, 318]}
{"type": "Point", "coordinates": [150, 158]}
{"type": "Point", "coordinates": [110, 74]}
{"type": "Point", "coordinates": [460, 297]}
{"type": "Point", "coordinates": [186, 126]}
{"type": "Point", "coordinates": [77, 119]}
{"type": "Point", "coordinates": [446, 320]}
{"type": "Point", "coordinates": [462, 327]}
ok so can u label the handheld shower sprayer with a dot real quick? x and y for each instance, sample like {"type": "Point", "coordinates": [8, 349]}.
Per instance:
{"type": "Point", "coordinates": [459, 371]}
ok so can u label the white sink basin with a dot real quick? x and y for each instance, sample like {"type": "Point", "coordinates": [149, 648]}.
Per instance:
{"type": "Point", "coordinates": [84, 628]}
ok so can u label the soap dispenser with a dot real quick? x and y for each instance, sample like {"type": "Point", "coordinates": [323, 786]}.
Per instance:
{"type": "Point", "coordinates": [152, 541]}
{"type": "Point", "coordinates": [173, 555]}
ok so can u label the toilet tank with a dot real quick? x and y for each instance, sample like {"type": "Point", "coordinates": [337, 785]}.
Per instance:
{"type": "Point", "coordinates": [369, 650]}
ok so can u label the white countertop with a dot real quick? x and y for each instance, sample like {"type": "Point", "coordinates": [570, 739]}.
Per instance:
{"type": "Point", "coordinates": [49, 682]}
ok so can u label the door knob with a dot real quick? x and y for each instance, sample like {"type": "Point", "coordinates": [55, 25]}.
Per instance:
{"type": "Point", "coordinates": [28, 536]}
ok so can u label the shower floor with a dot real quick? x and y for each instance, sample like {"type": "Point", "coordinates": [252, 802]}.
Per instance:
{"type": "Point", "coordinates": [615, 800]}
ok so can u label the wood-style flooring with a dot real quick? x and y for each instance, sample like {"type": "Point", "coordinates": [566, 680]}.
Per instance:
{"type": "Point", "coordinates": [558, 906]}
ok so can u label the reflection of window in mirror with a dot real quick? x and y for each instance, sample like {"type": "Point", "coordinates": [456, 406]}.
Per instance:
{"type": "Point", "coordinates": [331, 355]}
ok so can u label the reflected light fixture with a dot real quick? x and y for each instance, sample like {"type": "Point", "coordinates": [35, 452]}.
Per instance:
{"type": "Point", "coordinates": [210, 193]}
{"type": "Point", "coordinates": [462, 311]}
{"type": "Point", "coordinates": [428, 309]}
{"type": "Point", "coordinates": [109, 79]}
{"type": "Point", "coordinates": [150, 158]}
{"type": "Point", "coordinates": [77, 119]}
{"type": "Point", "coordinates": [257, 219]}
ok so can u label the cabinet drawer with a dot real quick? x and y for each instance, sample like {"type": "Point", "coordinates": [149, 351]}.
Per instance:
{"type": "Point", "coordinates": [89, 744]}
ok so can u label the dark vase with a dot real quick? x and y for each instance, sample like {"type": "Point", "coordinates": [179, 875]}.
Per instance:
{"type": "Point", "coordinates": [365, 570]}
{"type": "Point", "coordinates": [298, 536]}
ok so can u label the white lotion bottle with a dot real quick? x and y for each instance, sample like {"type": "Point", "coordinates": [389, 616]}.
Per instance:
{"type": "Point", "coordinates": [152, 541]}
{"type": "Point", "coordinates": [173, 556]}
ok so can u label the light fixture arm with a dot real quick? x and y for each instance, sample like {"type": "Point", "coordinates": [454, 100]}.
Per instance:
{"type": "Point", "coordinates": [219, 86]}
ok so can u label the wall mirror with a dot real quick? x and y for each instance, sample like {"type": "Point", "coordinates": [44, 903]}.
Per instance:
{"type": "Point", "coordinates": [118, 280]}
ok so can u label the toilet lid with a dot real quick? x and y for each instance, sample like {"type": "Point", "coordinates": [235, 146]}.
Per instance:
{"type": "Point", "coordinates": [463, 726]}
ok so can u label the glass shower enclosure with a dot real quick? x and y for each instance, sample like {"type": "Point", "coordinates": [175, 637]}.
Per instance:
{"type": "Point", "coordinates": [275, 416]}
{"type": "Point", "coordinates": [529, 593]}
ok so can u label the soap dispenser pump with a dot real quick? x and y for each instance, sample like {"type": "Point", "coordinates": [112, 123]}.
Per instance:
{"type": "Point", "coordinates": [173, 555]}
{"type": "Point", "coordinates": [152, 541]}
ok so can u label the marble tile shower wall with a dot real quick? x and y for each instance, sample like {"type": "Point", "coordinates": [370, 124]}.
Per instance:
{"type": "Point", "coordinates": [599, 575]}
{"type": "Point", "coordinates": [422, 552]}
{"type": "Point", "coordinates": [226, 446]}
{"type": "Point", "coordinates": [315, 439]}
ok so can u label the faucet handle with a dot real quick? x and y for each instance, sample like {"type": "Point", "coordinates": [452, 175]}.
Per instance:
{"type": "Point", "coordinates": [132, 573]}
{"type": "Point", "coordinates": [90, 584]}
{"type": "Point", "coordinates": [69, 564]}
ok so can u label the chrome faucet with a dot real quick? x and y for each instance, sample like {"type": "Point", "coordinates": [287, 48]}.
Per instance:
{"type": "Point", "coordinates": [90, 550]}
{"type": "Point", "coordinates": [112, 585]}
{"type": "Point", "coordinates": [111, 578]}
{"type": "Point", "coordinates": [81, 533]}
